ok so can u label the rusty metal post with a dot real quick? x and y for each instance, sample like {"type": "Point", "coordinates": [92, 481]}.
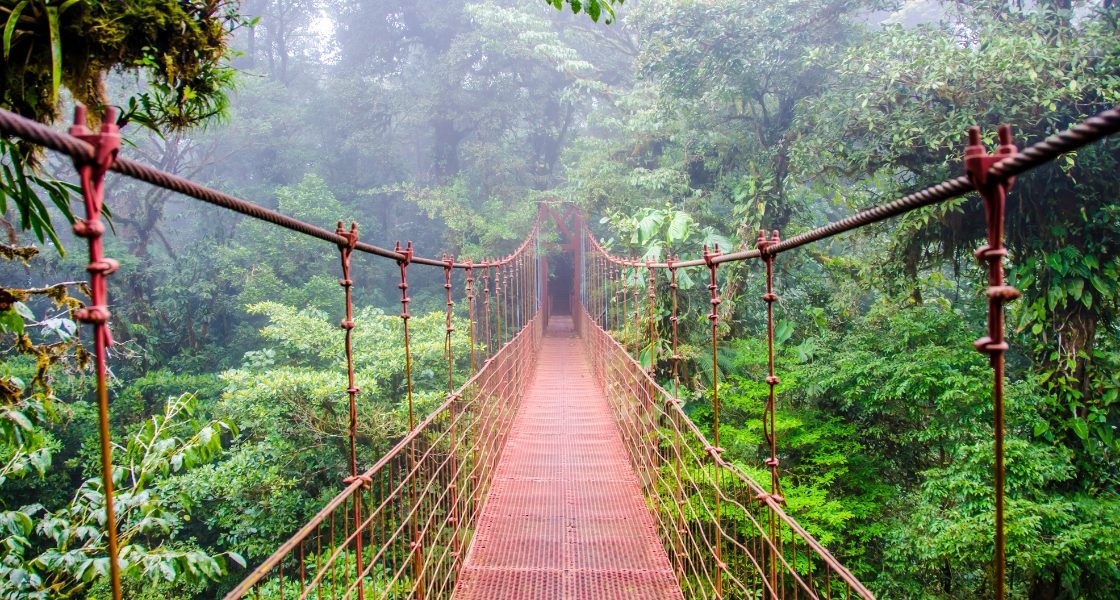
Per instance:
{"type": "Point", "coordinates": [498, 301]}
{"type": "Point", "coordinates": [470, 311]}
{"type": "Point", "coordinates": [769, 432]}
{"type": "Point", "coordinates": [106, 144]}
{"type": "Point", "coordinates": [486, 266]}
{"type": "Point", "coordinates": [453, 415]}
{"type": "Point", "coordinates": [678, 491]}
{"type": "Point", "coordinates": [716, 449]}
{"type": "Point", "coordinates": [345, 250]}
{"type": "Point", "coordinates": [637, 311]}
{"type": "Point", "coordinates": [993, 191]}
{"type": "Point", "coordinates": [417, 546]}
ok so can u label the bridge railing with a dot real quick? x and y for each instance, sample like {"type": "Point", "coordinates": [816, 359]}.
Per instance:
{"type": "Point", "coordinates": [417, 507]}
{"type": "Point", "coordinates": [725, 536]}
{"type": "Point", "coordinates": [728, 536]}
{"type": "Point", "coordinates": [399, 526]}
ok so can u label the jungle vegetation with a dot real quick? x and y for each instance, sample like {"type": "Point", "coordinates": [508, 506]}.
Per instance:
{"type": "Point", "coordinates": [673, 123]}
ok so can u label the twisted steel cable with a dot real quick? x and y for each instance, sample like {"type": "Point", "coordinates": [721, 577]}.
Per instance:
{"type": "Point", "coordinates": [1088, 131]}
{"type": "Point", "coordinates": [12, 124]}
{"type": "Point", "coordinates": [1084, 133]}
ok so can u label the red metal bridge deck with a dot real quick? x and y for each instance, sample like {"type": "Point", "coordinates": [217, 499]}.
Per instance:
{"type": "Point", "coordinates": [565, 517]}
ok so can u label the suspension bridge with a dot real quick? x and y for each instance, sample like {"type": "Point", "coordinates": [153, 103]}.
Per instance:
{"type": "Point", "coordinates": [562, 468]}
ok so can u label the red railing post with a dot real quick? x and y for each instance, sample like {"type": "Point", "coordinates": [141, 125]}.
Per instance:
{"type": "Point", "coordinates": [768, 426]}
{"type": "Point", "coordinates": [416, 544]}
{"type": "Point", "coordinates": [106, 144]}
{"type": "Point", "coordinates": [470, 312]}
{"type": "Point", "coordinates": [993, 191]}
{"type": "Point", "coordinates": [716, 450]}
{"type": "Point", "coordinates": [486, 266]}
{"type": "Point", "coordinates": [678, 487]}
{"type": "Point", "coordinates": [453, 516]}
{"type": "Point", "coordinates": [347, 325]}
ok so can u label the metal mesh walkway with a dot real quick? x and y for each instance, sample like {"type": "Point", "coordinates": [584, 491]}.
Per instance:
{"type": "Point", "coordinates": [565, 517]}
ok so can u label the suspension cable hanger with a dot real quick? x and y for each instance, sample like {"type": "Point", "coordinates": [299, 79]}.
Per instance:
{"type": "Point", "coordinates": [516, 305]}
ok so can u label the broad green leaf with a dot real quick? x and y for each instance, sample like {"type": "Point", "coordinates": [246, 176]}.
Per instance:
{"type": "Point", "coordinates": [783, 330]}
{"type": "Point", "coordinates": [678, 227]}
{"type": "Point", "coordinates": [648, 226]}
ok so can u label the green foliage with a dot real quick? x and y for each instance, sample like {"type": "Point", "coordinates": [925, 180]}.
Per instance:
{"type": "Point", "coordinates": [159, 449]}
{"type": "Point", "coordinates": [179, 48]}
{"type": "Point", "coordinates": [593, 8]}
{"type": "Point", "coordinates": [290, 402]}
{"type": "Point", "coordinates": [895, 122]}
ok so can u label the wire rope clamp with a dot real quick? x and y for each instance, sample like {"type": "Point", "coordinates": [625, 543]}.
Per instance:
{"type": "Point", "coordinates": [106, 145]}
{"type": "Point", "coordinates": [709, 260]}
{"type": "Point", "coordinates": [366, 480]}
{"type": "Point", "coordinates": [406, 254]}
{"type": "Point", "coordinates": [345, 248]}
{"type": "Point", "coordinates": [993, 191]}
{"type": "Point", "coordinates": [764, 244]}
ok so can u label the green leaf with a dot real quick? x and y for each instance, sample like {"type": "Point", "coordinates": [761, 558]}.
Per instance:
{"type": "Point", "coordinates": [648, 226]}
{"type": "Point", "coordinates": [593, 10]}
{"type": "Point", "coordinates": [783, 330]}
{"type": "Point", "coordinates": [23, 311]}
{"type": "Point", "coordinates": [1080, 429]}
{"type": "Point", "coordinates": [56, 51]}
{"type": "Point", "coordinates": [1076, 288]}
{"type": "Point", "coordinates": [11, 321]}
{"type": "Point", "coordinates": [1041, 427]}
{"type": "Point", "coordinates": [10, 27]}
{"type": "Point", "coordinates": [20, 419]}
{"type": "Point", "coordinates": [237, 558]}
{"type": "Point", "coordinates": [678, 227]}
{"type": "Point", "coordinates": [1099, 283]}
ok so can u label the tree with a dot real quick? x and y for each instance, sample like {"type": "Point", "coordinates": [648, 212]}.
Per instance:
{"type": "Point", "coordinates": [915, 92]}
{"type": "Point", "coordinates": [179, 48]}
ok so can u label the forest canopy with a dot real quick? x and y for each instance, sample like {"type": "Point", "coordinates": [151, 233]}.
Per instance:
{"type": "Point", "coordinates": [672, 124]}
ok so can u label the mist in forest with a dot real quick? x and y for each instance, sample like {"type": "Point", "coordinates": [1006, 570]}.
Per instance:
{"type": "Point", "coordinates": [672, 125]}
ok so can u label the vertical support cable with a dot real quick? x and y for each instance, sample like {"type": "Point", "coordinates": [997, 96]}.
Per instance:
{"type": "Point", "coordinates": [106, 144]}
{"type": "Point", "coordinates": [678, 491]}
{"type": "Point", "coordinates": [537, 285]}
{"type": "Point", "coordinates": [486, 266]}
{"type": "Point", "coordinates": [348, 325]}
{"type": "Point", "coordinates": [604, 294]}
{"type": "Point", "coordinates": [449, 327]}
{"type": "Point", "coordinates": [582, 262]}
{"type": "Point", "coordinates": [652, 293]}
{"type": "Point", "coordinates": [715, 450]}
{"type": "Point", "coordinates": [768, 427]}
{"type": "Point", "coordinates": [623, 276]}
{"type": "Point", "coordinates": [416, 547]}
{"type": "Point", "coordinates": [345, 250]}
{"type": "Point", "coordinates": [470, 310]}
{"type": "Point", "coordinates": [634, 274]}
{"type": "Point", "coordinates": [498, 300]}
{"type": "Point", "coordinates": [522, 294]}
{"type": "Point", "coordinates": [772, 379]}
{"type": "Point", "coordinates": [449, 352]}
{"type": "Point", "coordinates": [993, 191]}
